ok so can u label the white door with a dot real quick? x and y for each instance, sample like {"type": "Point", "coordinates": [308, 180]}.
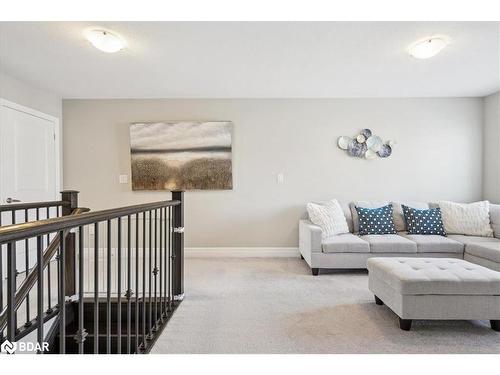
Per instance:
{"type": "Point", "coordinates": [29, 168]}
{"type": "Point", "coordinates": [29, 162]}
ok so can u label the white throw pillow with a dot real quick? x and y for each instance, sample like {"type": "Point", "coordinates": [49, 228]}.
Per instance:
{"type": "Point", "coordinates": [472, 219]}
{"type": "Point", "coordinates": [329, 216]}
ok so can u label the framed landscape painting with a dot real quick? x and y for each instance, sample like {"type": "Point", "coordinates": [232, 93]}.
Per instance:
{"type": "Point", "coordinates": [183, 155]}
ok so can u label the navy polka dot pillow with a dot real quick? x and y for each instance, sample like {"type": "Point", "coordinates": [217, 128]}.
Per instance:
{"type": "Point", "coordinates": [376, 220]}
{"type": "Point", "coordinates": [423, 221]}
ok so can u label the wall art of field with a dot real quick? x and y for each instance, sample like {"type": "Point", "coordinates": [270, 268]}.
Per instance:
{"type": "Point", "coordinates": [181, 155]}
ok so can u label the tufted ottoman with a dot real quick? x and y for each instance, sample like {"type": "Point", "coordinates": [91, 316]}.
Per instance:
{"type": "Point", "coordinates": [435, 288]}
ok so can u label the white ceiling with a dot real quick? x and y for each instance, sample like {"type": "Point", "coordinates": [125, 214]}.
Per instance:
{"type": "Point", "coordinates": [253, 59]}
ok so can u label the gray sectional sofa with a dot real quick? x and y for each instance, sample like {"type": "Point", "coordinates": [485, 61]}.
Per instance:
{"type": "Point", "coordinates": [352, 251]}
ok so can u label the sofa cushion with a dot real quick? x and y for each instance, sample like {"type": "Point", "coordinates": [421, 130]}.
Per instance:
{"type": "Point", "coordinates": [471, 219]}
{"type": "Point", "coordinates": [366, 204]}
{"type": "Point", "coordinates": [345, 243]}
{"type": "Point", "coordinates": [435, 244]}
{"type": "Point", "coordinates": [399, 220]}
{"type": "Point", "coordinates": [376, 220]}
{"type": "Point", "coordinates": [348, 214]}
{"type": "Point", "coordinates": [426, 221]}
{"type": "Point", "coordinates": [495, 219]}
{"type": "Point", "coordinates": [329, 217]}
{"type": "Point", "coordinates": [423, 276]}
{"type": "Point", "coordinates": [486, 250]}
{"type": "Point", "coordinates": [390, 243]}
{"type": "Point", "coordinates": [471, 239]}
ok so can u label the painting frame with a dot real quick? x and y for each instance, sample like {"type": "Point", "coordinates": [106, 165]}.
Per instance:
{"type": "Point", "coordinates": [181, 155]}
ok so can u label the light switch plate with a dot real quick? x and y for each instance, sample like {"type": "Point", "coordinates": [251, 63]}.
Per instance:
{"type": "Point", "coordinates": [123, 179]}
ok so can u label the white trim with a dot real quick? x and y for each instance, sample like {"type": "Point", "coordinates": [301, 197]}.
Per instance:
{"type": "Point", "coordinates": [242, 252]}
{"type": "Point", "coordinates": [57, 141]}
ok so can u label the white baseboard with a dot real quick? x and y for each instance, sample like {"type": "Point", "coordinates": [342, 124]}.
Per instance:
{"type": "Point", "coordinates": [242, 252]}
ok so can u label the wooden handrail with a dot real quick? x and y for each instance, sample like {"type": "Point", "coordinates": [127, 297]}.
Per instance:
{"type": "Point", "coordinates": [32, 229]}
{"type": "Point", "coordinates": [33, 205]}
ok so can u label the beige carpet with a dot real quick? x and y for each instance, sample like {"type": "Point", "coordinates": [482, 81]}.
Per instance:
{"type": "Point", "coordinates": [274, 305]}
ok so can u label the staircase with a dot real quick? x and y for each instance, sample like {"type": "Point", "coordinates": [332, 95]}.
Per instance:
{"type": "Point", "coordinates": [102, 282]}
{"type": "Point", "coordinates": [122, 338]}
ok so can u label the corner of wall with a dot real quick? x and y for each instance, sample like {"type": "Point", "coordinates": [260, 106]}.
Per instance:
{"type": "Point", "coordinates": [491, 147]}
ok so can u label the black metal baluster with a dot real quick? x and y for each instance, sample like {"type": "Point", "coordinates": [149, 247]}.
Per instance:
{"type": "Point", "coordinates": [136, 281]}
{"type": "Point", "coordinates": [81, 334]}
{"type": "Point", "coordinates": [14, 255]}
{"type": "Point", "coordinates": [129, 286]}
{"type": "Point", "coordinates": [96, 288]}
{"type": "Point", "coordinates": [144, 280]}
{"type": "Point", "coordinates": [150, 273]}
{"type": "Point", "coordinates": [11, 291]}
{"type": "Point", "coordinates": [155, 270]}
{"type": "Point", "coordinates": [62, 297]}
{"type": "Point", "coordinates": [49, 294]}
{"type": "Point", "coordinates": [119, 287]}
{"type": "Point", "coordinates": [26, 270]}
{"type": "Point", "coordinates": [161, 264]}
{"type": "Point", "coordinates": [169, 259]}
{"type": "Point", "coordinates": [39, 296]}
{"type": "Point", "coordinates": [108, 292]}
{"type": "Point", "coordinates": [166, 272]}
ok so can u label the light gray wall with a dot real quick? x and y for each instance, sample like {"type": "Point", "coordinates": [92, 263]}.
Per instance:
{"type": "Point", "coordinates": [22, 93]}
{"type": "Point", "coordinates": [491, 151]}
{"type": "Point", "coordinates": [438, 156]}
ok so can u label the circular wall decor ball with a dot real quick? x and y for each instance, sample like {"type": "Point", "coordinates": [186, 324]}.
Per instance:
{"type": "Point", "coordinates": [385, 151]}
{"type": "Point", "coordinates": [367, 133]}
{"type": "Point", "coordinates": [356, 149]}
{"type": "Point", "coordinates": [370, 154]}
{"type": "Point", "coordinates": [361, 138]}
{"type": "Point", "coordinates": [374, 143]}
{"type": "Point", "coordinates": [343, 142]}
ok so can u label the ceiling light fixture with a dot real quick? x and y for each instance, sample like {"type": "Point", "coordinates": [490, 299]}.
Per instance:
{"type": "Point", "coordinates": [428, 47]}
{"type": "Point", "coordinates": [105, 40]}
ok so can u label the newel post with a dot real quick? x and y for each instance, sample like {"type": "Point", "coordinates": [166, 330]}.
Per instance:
{"type": "Point", "coordinates": [70, 197]}
{"type": "Point", "coordinates": [178, 246]}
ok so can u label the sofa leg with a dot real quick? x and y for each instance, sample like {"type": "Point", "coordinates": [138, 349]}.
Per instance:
{"type": "Point", "coordinates": [378, 301]}
{"type": "Point", "coordinates": [405, 324]}
{"type": "Point", "coordinates": [301, 257]}
{"type": "Point", "coordinates": [315, 271]}
{"type": "Point", "coordinates": [495, 325]}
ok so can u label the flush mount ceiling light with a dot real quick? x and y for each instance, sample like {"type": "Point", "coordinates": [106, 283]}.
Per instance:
{"type": "Point", "coordinates": [105, 40]}
{"type": "Point", "coordinates": [428, 47]}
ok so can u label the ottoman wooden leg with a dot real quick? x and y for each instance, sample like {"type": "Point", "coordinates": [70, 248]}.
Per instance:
{"type": "Point", "coordinates": [315, 271]}
{"type": "Point", "coordinates": [495, 325]}
{"type": "Point", "coordinates": [378, 301]}
{"type": "Point", "coordinates": [405, 324]}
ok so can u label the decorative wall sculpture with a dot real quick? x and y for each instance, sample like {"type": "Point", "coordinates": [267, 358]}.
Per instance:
{"type": "Point", "coordinates": [181, 155]}
{"type": "Point", "coordinates": [366, 145]}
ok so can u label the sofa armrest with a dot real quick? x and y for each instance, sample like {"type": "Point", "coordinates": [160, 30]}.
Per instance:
{"type": "Point", "coordinates": [309, 239]}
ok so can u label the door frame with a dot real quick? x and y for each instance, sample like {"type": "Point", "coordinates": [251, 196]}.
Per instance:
{"type": "Point", "coordinates": [57, 144]}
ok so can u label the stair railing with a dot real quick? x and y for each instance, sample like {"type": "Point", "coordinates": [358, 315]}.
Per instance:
{"type": "Point", "coordinates": [11, 214]}
{"type": "Point", "coordinates": [142, 265]}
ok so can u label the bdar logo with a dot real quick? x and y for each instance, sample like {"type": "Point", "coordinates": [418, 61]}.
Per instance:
{"type": "Point", "coordinates": [8, 347]}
